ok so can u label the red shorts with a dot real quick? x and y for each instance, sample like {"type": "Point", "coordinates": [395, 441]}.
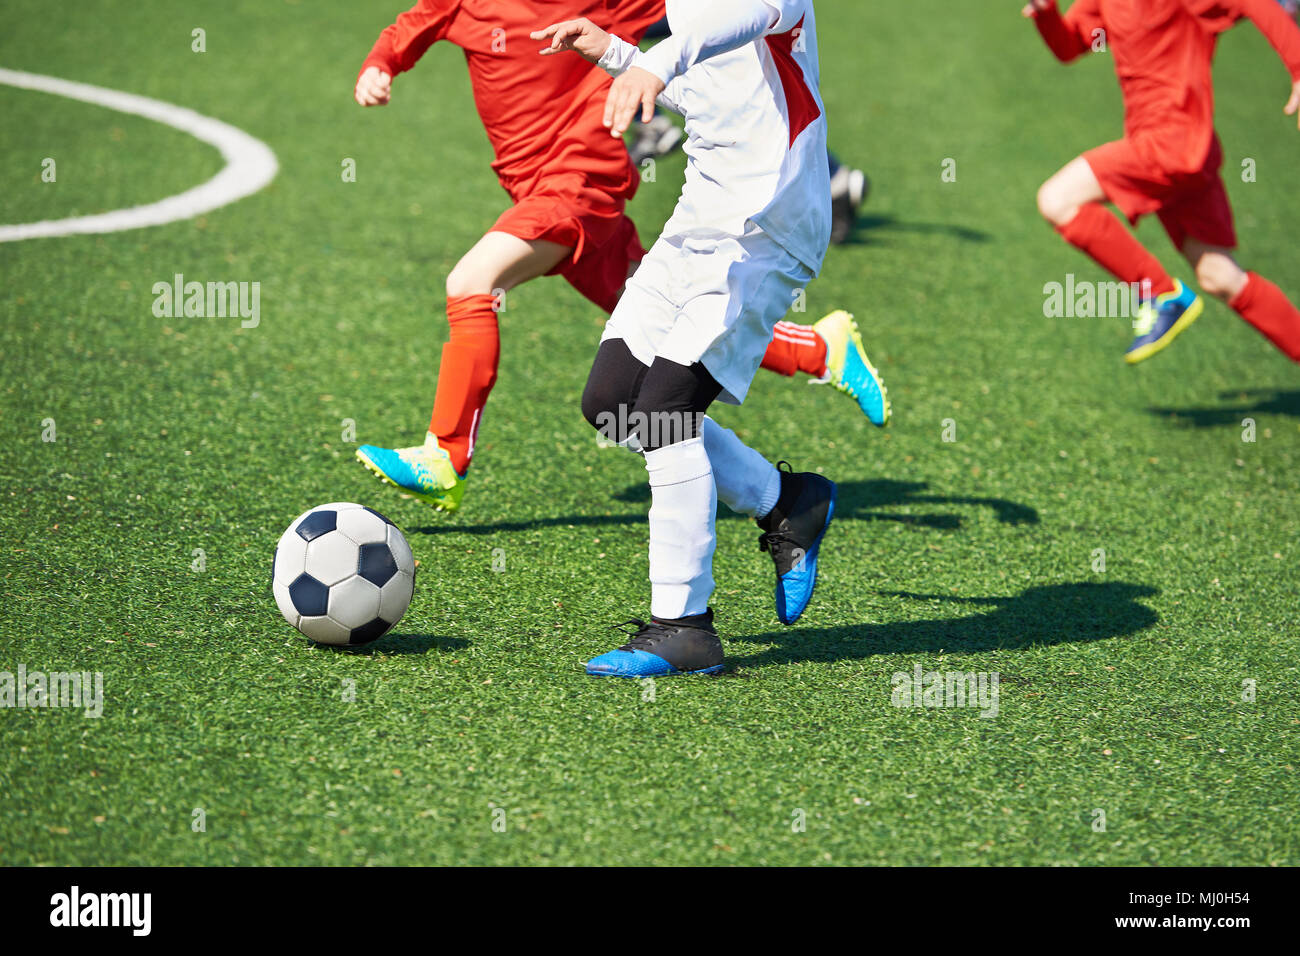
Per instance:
{"type": "Point", "coordinates": [591, 222]}
{"type": "Point", "coordinates": [1190, 205]}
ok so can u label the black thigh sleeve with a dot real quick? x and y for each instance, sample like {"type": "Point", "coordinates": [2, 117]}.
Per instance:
{"type": "Point", "coordinates": [611, 390]}
{"type": "Point", "coordinates": [671, 402]}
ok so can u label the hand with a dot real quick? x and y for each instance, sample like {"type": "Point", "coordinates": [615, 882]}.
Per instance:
{"type": "Point", "coordinates": [581, 36]}
{"type": "Point", "coordinates": [374, 87]}
{"type": "Point", "coordinates": [636, 87]}
{"type": "Point", "coordinates": [1035, 7]}
{"type": "Point", "coordinates": [1292, 107]}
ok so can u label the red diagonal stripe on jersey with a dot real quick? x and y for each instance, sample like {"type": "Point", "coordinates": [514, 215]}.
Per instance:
{"type": "Point", "coordinates": [800, 105]}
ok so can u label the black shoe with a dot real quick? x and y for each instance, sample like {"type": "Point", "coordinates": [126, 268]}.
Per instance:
{"type": "Point", "coordinates": [792, 534]}
{"type": "Point", "coordinates": [849, 190]}
{"type": "Point", "coordinates": [664, 648]}
{"type": "Point", "coordinates": [659, 137]}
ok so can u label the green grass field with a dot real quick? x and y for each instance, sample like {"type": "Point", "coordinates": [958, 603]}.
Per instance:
{"type": "Point", "coordinates": [1124, 690]}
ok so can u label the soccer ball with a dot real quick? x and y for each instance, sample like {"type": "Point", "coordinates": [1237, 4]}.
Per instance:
{"type": "Point", "coordinates": [343, 574]}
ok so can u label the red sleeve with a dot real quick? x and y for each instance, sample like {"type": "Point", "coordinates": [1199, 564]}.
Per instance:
{"type": "Point", "coordinates": [1215, 15]}
{"type": "Point", "coordinates": [1069, 36]}
{"type": "Point", "coordinates": [404, 42]}
{"type": "Point", "coordinates": [1274, 22]}
{"type": "Point", "coordinates": [629, 19]}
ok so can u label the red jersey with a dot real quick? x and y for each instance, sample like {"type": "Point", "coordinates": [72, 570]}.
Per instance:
{"type": "Point", "coordinates": [1163, 50]}
{"type": "Point", "coordinates": [536, 109]}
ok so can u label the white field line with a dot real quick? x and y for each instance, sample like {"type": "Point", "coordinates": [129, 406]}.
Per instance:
{"type": "Point", "coordinates": [250, 164]}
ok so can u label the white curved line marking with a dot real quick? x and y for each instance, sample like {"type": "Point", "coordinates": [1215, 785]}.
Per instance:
{"type": "Point", "coordinates": [250, 164]}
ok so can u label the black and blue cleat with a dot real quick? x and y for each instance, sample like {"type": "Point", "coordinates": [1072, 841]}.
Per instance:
{"type": "Point", "coordinates": [664, 648]}
{"type": "Point", "coordinates": [792, 535]}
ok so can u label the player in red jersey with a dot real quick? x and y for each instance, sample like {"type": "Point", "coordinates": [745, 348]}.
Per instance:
{"type": "Point", "coordinates": [1168, 160]}
{"type": "Point", "coordinates": [569, 181]}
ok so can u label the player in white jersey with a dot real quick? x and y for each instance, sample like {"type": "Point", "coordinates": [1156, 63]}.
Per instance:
{"type": "Point", "coordinates": [749, 232]}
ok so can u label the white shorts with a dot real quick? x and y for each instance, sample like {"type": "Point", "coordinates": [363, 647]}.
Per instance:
{"type": "Point", "coordinates": [713, 301]}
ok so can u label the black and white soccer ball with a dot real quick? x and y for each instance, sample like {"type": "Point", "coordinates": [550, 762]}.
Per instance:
{"type": "Point", "coordinates": [343, 574]}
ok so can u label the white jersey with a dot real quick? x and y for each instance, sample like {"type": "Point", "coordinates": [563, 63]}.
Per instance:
{"type": "Point", "coordinates": [744, 74]}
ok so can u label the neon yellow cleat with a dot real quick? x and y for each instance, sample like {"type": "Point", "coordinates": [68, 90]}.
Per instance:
{"type": "Point", "coordinates": [1159, 323]}
{"type": "Point", "coordinates": [849, 370]}
{"type": "Point", "coordinates": [422, 471]}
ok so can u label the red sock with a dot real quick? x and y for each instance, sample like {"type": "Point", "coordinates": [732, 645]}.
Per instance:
{"type": "Point", "coordinates": [466, 374]}
{"type": "Point", "coordinates": [1097, 232]}
{"type": "Point", "coordinates": [795, 348]}
{"type": "Point", "coordinates": [1267, 308]}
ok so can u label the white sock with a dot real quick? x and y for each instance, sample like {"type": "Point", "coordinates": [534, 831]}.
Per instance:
{"type": "Point", "coordinates": [683, 505]}
{"type": "Point", "coordinates": [747, 482]}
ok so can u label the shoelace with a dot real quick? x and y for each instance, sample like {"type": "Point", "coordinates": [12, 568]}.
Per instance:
{"type": "Point", "coordinates": [418, 460]}
{"type": "Point", "coordinates": [1146, 319]}
{"type": "Point", "coordinates": [780, 545]}
{"type": "Point", "coordinates": [645, 636]}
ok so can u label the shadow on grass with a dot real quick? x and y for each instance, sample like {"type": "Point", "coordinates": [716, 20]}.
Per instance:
{"type": "Point", "coordinates": [874, 224]}
{"type": "Point", "coordinates": [1254, 401]}
{"type": "Point", "coordinates": [413, 644]}
{"type": "Point", "coordinates": [1045, 615]}
{"type": "Point", "coordinates": [858, 501]}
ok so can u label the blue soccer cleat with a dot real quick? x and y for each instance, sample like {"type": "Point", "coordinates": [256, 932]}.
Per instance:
{"type": "Point", "coordinates": [1159, 323]}
{"type": "Point", "coordinates": [849, 370]}
{"type": "Point", "coordinates": [661, 648]}
{"type": "Point", "coordinates": [423, 471]}
{"type": "Point", "coordinates": [792, 534]}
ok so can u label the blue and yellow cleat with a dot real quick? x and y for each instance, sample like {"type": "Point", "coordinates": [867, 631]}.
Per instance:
{"type": "Point", "coordinates": [663, 648]}
{"type": "Point", "coordinates": [423, 471]}
{"type": "Point", "coordinates": [1159, 323]}
{"type": "Point", "coordinates": [792, 534]}
{"type": "Point", "coordinates": [849, 370]}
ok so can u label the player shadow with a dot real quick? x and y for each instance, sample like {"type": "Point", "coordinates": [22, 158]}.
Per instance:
{"type": "Point", "coordinates": [861, 501]}
{"type": "Point", "coordinates": [413, 644]}
{"type": "Point", "coordinates": [577, 521]}
{"type": "Point", "coordinates": [867, 228]}
{"type": "Point", "coordinates": [1042, 615]}
{"type": "Point", "coordinates": [857, 501]}
{"type": "Point", "coordinates": [1251, 401]}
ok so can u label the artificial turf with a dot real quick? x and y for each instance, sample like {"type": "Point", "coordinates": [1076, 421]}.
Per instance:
{"type": "Point", "coordinates": [474, 736]}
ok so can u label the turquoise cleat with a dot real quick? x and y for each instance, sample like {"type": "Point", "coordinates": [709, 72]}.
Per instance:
{"type": "Point", "coordinates": [422, 471]}
{"type": "Point", "coordinates": [849, 370]}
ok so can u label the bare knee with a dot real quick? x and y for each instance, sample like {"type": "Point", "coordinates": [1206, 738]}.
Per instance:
{"type": "Point", "coordinates": [1219, 275]}
{"type": "Point", "coordinates": [468, 277]}
{"type": "Point", "coordinates": [1054, 204]}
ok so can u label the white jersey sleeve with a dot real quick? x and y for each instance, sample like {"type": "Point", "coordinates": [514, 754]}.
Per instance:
{"type": "Point", "coordinates": [621, 55]}
{"type": "Point", "coordinates": [618, 57]}
{"type": "Point", "coordinates": [716, 27]}
{"type": "Point", "coordinates": [745, 75]}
